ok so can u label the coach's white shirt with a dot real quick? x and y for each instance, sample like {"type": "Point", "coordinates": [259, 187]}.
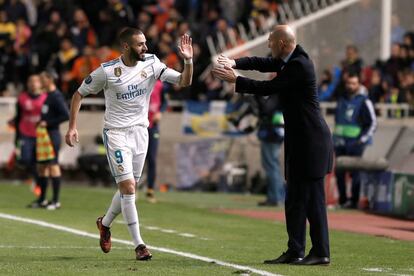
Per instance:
{"type": "Point", "coordinates": [127, 89]}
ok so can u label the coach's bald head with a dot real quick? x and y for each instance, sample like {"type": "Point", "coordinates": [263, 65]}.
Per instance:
{"type": "Point", "coordinates": [282, 41]}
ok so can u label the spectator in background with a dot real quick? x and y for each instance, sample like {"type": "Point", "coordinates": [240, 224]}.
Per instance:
{"type": "Point", "coordinates": [329, 82]}
{"type": "Point", "coordinates": [82, 32]}
{"type": "Point", "coordinates": [7, 37]}
{"type": "Point", "coordinates": [198, 87]}
{"type": "Point", "coordinates": [64, 61]}
{"type": "Point", "coordinates": [408, 39]}
{"type": "Point", "coordinates": [7, 30]}
{"type": "Point", "coordinates": [162, 21]}
{"type": "Point", "coordinates": [352, 62]}
{"type": "Point", "coordinates": [160, 12]}
{"type": "Point", "coordinates": [65, 56]}
{"type": "Point", "coordinates": [214, 87]}
{"type": "Point", "coordinates": [405, 62]}
{"type": "Point", "coordinates": [376, 90]}
{"type": "Point", "coordinates": [54, 112]}
{"type": "Point", "coordinates": [411, 56]}
{"type": "Point", "coordinates": [340, 89]}
{"type": "Point", "coordinates": [407, 82]}
{"type": "Point", "coordinates": [397, 31]}
{"type": "Point", "coordinates": [107, 30]}
{"type": "Point", "coordinates": [105, 54]}
{"type": "Point", "coordinates": [393, 64]}
{"type": "Point", "coordinates": [82, 67]}
{"type": "Point", "coordinates": [47, 38]}
{"type": "Point", "coordinates": [408, 87]}
{"type": "Point", "coordinates": [21, 49]}
{"type": "Point", "coordinates": [144, 21]}
{"type": "Point", "coordinates": [121, 13]}
{"type": "Point", "coordinates": [355, 123]}
{"type": "Point", "coordinates": [16, 10]}
{"type": "Point", "coordinates": [271, 134]}
{"type": "Point", "coordinates": [28, 113]}
{"type": "Point", "coordinates": [157, 105]}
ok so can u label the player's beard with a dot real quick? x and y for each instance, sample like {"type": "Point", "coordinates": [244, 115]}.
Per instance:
{"type": "Point", "coordinates": [137, 56]}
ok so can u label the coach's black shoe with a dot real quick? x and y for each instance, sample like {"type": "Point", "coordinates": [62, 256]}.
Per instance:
{"type": "Point", "coordinates": [36, 204]}
{"type": "Point", "coordinates": [313, 260]}
{"type": "Point", "coordinates": [285, 258]}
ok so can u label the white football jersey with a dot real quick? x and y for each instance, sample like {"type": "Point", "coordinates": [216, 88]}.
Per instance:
{"type": "Point", "coordinates": [127, 89]}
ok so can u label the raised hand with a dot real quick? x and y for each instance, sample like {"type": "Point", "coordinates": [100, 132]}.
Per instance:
{"type": "Point", "coordinates": [185, 47]}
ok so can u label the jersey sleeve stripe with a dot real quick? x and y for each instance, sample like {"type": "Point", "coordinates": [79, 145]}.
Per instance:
{"type": "Point", "coordinates": [110, 63]}
{"type": "Point", "coordinates": [162, 71]}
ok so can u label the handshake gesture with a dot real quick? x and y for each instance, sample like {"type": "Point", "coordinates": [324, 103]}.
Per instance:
{"type": "Point", "coordinates": [224, 69]}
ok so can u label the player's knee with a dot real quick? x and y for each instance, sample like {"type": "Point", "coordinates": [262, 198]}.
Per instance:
{"type": "Point", "coordinates": [127, 187]}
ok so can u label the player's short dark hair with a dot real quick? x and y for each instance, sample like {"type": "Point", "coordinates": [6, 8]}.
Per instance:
{"type": "Point", "coordinates": [126, 34]}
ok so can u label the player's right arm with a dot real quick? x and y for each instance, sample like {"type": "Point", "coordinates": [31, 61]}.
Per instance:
{"type": "Point", "coordinates": [72, 134]}
{"type": "Point", "coordinates": [92, 84]}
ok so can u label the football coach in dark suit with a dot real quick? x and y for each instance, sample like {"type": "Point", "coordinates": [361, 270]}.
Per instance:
{"type": "Point", "coordinates": [308, 143]}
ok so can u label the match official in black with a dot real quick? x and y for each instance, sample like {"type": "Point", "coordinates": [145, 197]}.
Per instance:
{"type": "Point", "coordinates": [54, 113]}
{"type": "Point", "coordinates": [308, 144]}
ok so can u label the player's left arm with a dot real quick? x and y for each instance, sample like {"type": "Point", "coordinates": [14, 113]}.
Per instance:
{"type": "Point", "coordinates": [186, 51]}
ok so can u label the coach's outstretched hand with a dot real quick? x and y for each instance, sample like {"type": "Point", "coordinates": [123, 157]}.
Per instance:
{"type": "Point", "coordinates": [185, 47]}
{"type": "Point", "coordinates": [224, 73]}
{"type": "Point", "coordinates": [71, 137]}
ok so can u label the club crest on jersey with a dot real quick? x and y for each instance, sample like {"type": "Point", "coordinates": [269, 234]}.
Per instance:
{"type": "Point", "coordinates": [120, 168]}
{"type": "Point", "coordinates": [117, 71]}
{"type": "Point", "coordinates": [143, 74]}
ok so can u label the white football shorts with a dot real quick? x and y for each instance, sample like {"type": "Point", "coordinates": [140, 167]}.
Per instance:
{"type": "Point", "coordinates": [126, 149]}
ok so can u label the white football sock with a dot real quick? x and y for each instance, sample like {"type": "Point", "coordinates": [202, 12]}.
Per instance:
{"type": "Point", "coordinates": [113, 210]}
{"type": "Point", "coordinates": [130, 214]}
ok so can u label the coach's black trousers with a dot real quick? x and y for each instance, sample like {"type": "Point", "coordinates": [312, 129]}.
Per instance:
{"type": "Point", "coordinates": [305, 199]}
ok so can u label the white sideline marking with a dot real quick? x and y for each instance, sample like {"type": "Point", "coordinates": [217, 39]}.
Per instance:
{"type": "Point", "coordinates": [187, 235]}
{"type": "Point", "coordinates": [168, 231]}
{"type": "Point", "coordinates": [59, 247]}
{"type": "Point", "coordinates": [376, 269]}
{"type": "Point", "coordinates": [160, 249]}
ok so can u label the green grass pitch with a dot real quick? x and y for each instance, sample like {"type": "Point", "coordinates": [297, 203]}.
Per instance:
{"type": "Point", "coordinates": [186, 222]}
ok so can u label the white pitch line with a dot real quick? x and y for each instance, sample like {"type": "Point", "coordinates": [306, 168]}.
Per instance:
{"type": "Point", "coordinates": [187, 235]}
{"type": "Point", "coordinates": [59, 247]}
{"type": "Point", "coordinates": [160, 249]}
{"type": "Point", "coordinates": [168, 231]}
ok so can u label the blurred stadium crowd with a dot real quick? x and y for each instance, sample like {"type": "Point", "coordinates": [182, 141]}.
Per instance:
{"type": "Point", "coordinates": [73, 37]}
{"type": "Point", "coordinates": [390, 81]}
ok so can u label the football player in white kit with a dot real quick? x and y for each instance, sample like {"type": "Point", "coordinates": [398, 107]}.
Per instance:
{"type": "Point", "coordinates": [127, 83]}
